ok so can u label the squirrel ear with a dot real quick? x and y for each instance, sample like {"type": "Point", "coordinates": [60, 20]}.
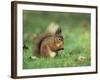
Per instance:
{"type": "Point", "coordinates": [58, 31]}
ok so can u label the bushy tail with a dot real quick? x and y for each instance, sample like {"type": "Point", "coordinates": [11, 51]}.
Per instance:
{"type": "Point", "coordinates": [53, 28]}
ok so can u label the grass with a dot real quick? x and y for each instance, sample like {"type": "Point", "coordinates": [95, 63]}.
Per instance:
{"type": "Point", "coordinates": [76, 33]}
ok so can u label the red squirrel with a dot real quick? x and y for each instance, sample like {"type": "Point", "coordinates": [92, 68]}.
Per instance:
{"type": "Point", "coordinates": [49, 43]}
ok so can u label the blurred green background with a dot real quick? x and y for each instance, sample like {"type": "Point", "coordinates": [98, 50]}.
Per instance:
{"type": "Point", "coordinates": [75, 30]}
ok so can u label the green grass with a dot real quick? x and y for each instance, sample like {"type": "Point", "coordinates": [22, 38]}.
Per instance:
{"type": "Point", "coordinates": [76, 39]}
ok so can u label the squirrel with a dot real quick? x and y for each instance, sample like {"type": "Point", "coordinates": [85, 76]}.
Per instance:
{"type": "Point", "coordinates": [49, 43]}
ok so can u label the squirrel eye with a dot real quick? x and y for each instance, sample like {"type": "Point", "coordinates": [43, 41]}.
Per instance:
{"type": "Point", "coordinates": [59, 39]}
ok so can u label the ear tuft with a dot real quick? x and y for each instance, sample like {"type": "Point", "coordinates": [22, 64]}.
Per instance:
{"type": "Point", "coordinates": [58, 31]}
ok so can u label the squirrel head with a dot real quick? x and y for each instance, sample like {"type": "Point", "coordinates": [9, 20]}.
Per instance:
{"type": "Point", "coordinates": [59, 42]}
